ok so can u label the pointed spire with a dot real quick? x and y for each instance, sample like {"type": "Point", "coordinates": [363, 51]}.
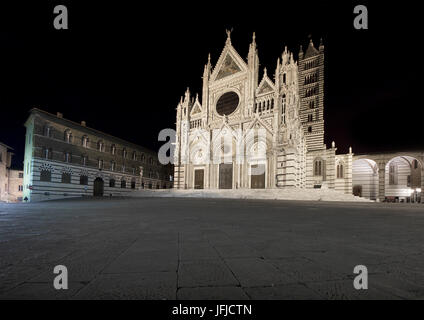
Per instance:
{"type": "Point", "coordinates": [207, 69]}
{"type": "Point", "coordinates": [252, 46]}
{"type": "Point", "coordinates": [321, 46]}
{"type": "Point", "coordinates": [277, 72]}
{"type": "Point", "coordinates": [265, 72]}
{"type": "Point", "coordinates": [187, 95]}
{"type": "Point", "coordinates": [311, 50]}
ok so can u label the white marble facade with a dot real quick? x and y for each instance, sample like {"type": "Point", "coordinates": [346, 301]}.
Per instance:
{"type": "Point", "coordinates": [238, 114]}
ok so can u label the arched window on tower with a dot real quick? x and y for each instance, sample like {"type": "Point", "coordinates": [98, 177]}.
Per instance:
{"type": "Point", "coordinates": [340, 171]}
{"type": "Point", "coordinates": [310, 118]}
{"type": "Point", "coordinates": [319, 167]}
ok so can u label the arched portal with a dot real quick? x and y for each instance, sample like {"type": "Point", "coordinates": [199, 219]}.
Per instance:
{"type": "Point", "coordinates": [403, 179]}
{"type": "Point", "coordinates": [365, 178]}
{"type": "Point", "coordinates": [98, 188]}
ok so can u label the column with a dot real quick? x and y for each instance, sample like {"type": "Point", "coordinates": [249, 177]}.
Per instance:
{"type": "Point", "coordinates": [381, 181]}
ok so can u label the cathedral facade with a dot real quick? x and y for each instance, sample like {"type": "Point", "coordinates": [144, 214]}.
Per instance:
{"type": "Point", "coordinates": [252, 132]}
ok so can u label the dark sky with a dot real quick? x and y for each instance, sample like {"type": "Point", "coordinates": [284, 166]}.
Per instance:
{"type": "Point", "coordinates": [122, 67]}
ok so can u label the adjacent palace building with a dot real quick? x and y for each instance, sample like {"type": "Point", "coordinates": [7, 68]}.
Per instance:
{"type": "Point", "coordinates": [10, 180]}
{"type": "Point", "coordinates": [289, 107]}
{"type": "Point", "coordinates": [65, 159]}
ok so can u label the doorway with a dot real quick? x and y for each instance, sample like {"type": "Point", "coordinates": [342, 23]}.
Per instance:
{"type": "Point", "coordinates": [357, 190]}
{"type": "Point", "coordinates": [98, 187]}
{"type": "Point", "coordinates": [199, 178]}
{"type": "Point", "coordinates": [257, 177]}
{"type": "Point", "coordinates": [225, 176]}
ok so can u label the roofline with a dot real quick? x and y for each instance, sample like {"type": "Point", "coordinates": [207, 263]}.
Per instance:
{"type": "Point", "coordinates": [388, 152]}
{"type": "Point", "coordinates": [91, 129]}
{"type": "Point", "coordinates": [5, 145]}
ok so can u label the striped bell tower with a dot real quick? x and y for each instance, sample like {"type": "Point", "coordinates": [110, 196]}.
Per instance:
{"type": "Point", "coordinates": [311, 90]}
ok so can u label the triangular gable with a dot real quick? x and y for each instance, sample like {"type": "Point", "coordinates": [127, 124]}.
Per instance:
{"type": "Point", "coordinates": [228, 68]}
{"type": "Point", "coordinates": [199, 136]}
{"type": "Point", "coordinates": [258, 122]}
{"type": "Point", "coordinates": [224, 126]}
{"type": "Point", "coordinates": [196, 109]}
{"type": "Point", "coordinates": [229, 63]}
{"type": "Point", "coordinates": [265, 86]}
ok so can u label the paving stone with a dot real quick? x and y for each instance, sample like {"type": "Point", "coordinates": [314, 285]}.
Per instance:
{"type": "Point", "coordinates": [344, 290]}
{"type": "Point", "coordinates": [253, 272]}
{"type": "Point", "coordinates": [283, 292]}
{"type": "Point", "coordinates": [216, 245]}
{"type": "Point", "coordinates": [140, 286]}
{"type": "Point", "coordinates": [41, 291]}
{"type": "Point", "coordinates": [198, 273]}
{"type": "Point", "coordinates": [212, 293]}
{"type": "Point", "coordinates": [141, 262]}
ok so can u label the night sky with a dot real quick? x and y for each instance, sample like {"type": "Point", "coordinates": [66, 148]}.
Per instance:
{"type": "Point", "coordinates": [122, 67]}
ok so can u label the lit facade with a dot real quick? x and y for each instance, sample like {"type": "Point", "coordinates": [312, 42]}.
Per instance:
{"type": "Point", "coordinates": [68, 159]}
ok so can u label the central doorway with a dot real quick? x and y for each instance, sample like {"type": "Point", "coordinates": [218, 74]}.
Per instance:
{"type": "Point", "coordinates": [98, 187]}
{"type": "Point", "coordinates": [226, 176]}
{"type": "Point", "coordinates": [199, 178]}
{"type": "Point", "coordinates": [257, 177]}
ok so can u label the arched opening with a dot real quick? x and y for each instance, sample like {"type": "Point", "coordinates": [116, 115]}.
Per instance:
{"type": "Point", "coordinates": [98, 188]}
{"type": "Point", "coordinates": [365, 178]}
{"type": "Point", "coordinates": [403, 179]}
{"type": "Point", "coordinates": [46, 175]}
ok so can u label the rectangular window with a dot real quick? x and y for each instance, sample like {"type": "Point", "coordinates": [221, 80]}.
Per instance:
{"type": "Point", "coordinates": [84, 180]}
{"type": "Point", "coordinates": [21, 175]}
{"type": "Point", "coordinates": [45, 175]}
{"type": "Point", "coordinates": [67, 157]}
{"type": "Point", "coordinates": [66, 177]}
